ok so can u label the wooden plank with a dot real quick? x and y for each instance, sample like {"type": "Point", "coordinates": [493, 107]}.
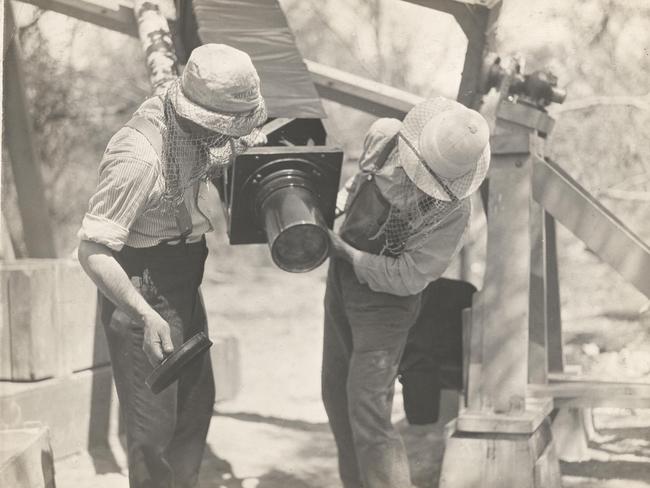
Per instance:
{"type": "Point", "coordinates": [522, 114]}
{"type": "Point", "coordinates": [547, 468]}
{"type": "Point", "coordinates": [471, 320]}
{"type": "Point", "coordinates": [538, 319]}
{"type": "Point", "coordinates": [82, 336]}
{"type": "Point", "coordinates": [527, 421]}
{"type": "Point", "coordinates": [5, 328]}
{"type": "Point", "coordinates": [505, 294]}
{"type": "Point", "coordinates": [492, 456]}
{"type": "Point", "coordinates": [25, 166]}
{"type": "Point", "coordinates": [585, 393]}
{"type": "Point", "coordinates": [555, 347]}
{"type": "Point", "coordinates": [49, 322]}
{"type": "Point", "coordinates": [449, 6]}
{"type": "Point", "coordinates": [609, 238]}
{"type": "Point", "coordinates": [26, 457]}
{"type": "Point", "coordinates": [115, 15]}
{"type": "Point", "coordinates": [35, 346]}
{"type": "Point", "coordinates": [78, 407]}
{"type": "Point", "coordinates": [3, 10]}
{"type": "Point", "coordinates": [7, 252]}
{"type": "Point", "coordinates": [478, 20]}
{"type": "Point", "coordinates": [361, 93]}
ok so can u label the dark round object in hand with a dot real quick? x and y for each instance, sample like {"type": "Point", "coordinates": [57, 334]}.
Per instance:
{"type": "Point", "coordinates": [170, 369]}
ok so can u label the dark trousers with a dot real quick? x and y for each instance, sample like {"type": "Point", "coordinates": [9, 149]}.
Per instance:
{"type": "Point", "coordinates": [166, 433]}
{"type": "Point", "coordinates": [364, 338]}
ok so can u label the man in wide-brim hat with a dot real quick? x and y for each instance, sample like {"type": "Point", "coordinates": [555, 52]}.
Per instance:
{"type": "Point", "coordinates": [404, 220]}
{"type": "Point", "coordinates": [143, 244]}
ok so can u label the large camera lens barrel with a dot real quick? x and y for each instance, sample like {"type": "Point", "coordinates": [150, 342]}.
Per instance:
{"type": "Point", "coordinates": [287, 205]}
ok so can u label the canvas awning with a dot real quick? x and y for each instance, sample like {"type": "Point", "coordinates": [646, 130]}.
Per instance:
{"type": "Point", "coordinates": [260, 28]}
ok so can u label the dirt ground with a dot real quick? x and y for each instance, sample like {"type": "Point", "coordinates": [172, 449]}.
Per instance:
{"type": "Point", "coordinates": [275, 433]}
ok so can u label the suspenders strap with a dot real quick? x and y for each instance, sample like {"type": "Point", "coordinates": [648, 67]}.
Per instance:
{"type": "Point", "coordinates": [152, 134]}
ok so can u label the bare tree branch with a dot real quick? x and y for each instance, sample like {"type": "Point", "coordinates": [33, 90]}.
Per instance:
{"type": "Point", "coordinates": [641, 196]}
{"type": "Point", "coordinates": [639, 102]}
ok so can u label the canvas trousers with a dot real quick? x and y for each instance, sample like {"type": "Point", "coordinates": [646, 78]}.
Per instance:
{"type": "Point", "coordinates": [364, 337]}
{"type": "Point", "coordinates": [165, 433]}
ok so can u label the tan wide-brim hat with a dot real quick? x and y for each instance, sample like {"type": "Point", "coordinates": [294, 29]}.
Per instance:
{"type": "Point", "coordinates": [452, 140]}
{"type": "Point", "coordinates": [219, 90]}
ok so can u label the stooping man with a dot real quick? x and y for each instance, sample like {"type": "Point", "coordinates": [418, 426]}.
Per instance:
{"type": "Point", "coordinates": [143, 244]}
{"type": "Point", "coordinates": [405, 217]}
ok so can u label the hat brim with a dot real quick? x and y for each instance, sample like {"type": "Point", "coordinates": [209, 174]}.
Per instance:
{"type": "Point", "coordinates": [234, 124]}
{"type": "Point", "coordinates": [414, 121]}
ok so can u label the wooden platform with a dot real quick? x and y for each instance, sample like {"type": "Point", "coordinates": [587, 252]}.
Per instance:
{"type": "Point", "coordinates": [26, 458]}
{"type": "Point", "coordinates": [76, 408]}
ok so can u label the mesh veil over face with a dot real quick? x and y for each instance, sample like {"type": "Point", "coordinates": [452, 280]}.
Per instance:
{"type": "Point", "coordinates": [413, 215]}
{"type": "Point", "coordinates": [190, 157]}
{"type": "Point", "coordinates": [207, 154]}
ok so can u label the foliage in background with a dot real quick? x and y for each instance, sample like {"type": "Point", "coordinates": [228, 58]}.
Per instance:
{"type": "Point", "coordinates": [80, 89]}
{"type": "Point", "coordinates": [84, 82]}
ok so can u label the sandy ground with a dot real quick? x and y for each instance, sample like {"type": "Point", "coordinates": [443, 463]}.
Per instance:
{"type": "Point", "coordinates": [275, 433]}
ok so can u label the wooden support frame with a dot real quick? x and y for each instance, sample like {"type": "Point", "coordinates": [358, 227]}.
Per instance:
{"type": "Point", "coordinates": [500, 409]}
{"type": "Point", "coordinates": [37, 230]}
{"type": "Point", "coordinates": [361, 93]}
{"type": "Point", "coordinates": [476, 18]}
{"type": "Point", "coordinates": [612, 241]}
{"type": "Point", "coordinates": [586, 392]}
{"type": "Point", "coordinates": [116, 15]}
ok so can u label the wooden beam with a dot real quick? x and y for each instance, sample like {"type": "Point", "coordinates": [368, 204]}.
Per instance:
{"type": "Point", "coordinates": [575, 208]}
{"type": "Point", "coordinates": [37, 230]}
{"type": "Point", "coordinates": [538, 303]}
{"type": "Point", "coordinates": [448, 4]}
{"type": "Point", "coordinates": [583, 392]}
{"type": "Point", "coordinates": [361, 93]}
{"type": "Point", "coordinates": [2, 61]}
{"type": "Point", "coordinates": [115, 15]}
{"type": "Point", "coordinates": [555, 351]}
{"type": "Point", "coordinates": [478, 20]}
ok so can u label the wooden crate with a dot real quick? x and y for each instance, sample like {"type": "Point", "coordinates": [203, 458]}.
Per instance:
{"type": "Point", "coordinates": [47, 323]}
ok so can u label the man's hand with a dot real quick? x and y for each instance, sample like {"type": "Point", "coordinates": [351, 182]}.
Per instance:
{"type": "Point", "coordinates": [157, 339]}
{"type": "Point", "coordinates": [101, 266]}
{"type": "Point", "coordinates": [341, 249]}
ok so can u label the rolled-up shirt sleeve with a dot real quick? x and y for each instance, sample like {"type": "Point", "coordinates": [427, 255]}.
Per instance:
{"type": "Point", "coordinates": [122, 193]}
{"type": "Point", "coordinates": [412, 271]}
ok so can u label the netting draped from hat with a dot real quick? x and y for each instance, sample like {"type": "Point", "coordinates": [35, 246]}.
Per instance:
{"type": "Point", "coordinates": [412, 217]}
{"type": "Point", "coordinates": [206, 157]}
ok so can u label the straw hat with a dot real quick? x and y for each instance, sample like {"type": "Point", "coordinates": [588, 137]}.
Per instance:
{"type": "Point", "coordinates": [442, 145]}
{"type": "Point", "coordinates": [220, 90]}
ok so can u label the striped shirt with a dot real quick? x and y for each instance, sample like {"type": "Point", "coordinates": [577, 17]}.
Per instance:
{"type": "Point", "coordinates": [125, 208]}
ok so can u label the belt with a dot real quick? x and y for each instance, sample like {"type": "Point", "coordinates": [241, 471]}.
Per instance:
{"type": "Point", "coordinates": [188, 240]}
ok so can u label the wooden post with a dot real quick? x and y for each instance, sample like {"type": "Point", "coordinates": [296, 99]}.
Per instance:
{"type": "Point", "coordinates": [2, 83]}
{"type": "Point", "coordinates": [501, 426]}
{"type": "Point", "coordinates": [553, 305]}
{"type": "Point", "coordinates": [157, 44]}
{"type": "Point", "coordinates": [479, 25]}
{"type": "Point", "coordinates": [538, 323]}
{"type": "Point", "coordinates": [37, 231]}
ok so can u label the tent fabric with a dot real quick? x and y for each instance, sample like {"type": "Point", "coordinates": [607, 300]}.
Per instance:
{"type": "Point", "coordinates": [260, 28]}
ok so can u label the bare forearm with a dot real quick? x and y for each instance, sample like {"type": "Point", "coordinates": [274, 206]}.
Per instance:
{"type": "Point", "coordinates": [107, 274]}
